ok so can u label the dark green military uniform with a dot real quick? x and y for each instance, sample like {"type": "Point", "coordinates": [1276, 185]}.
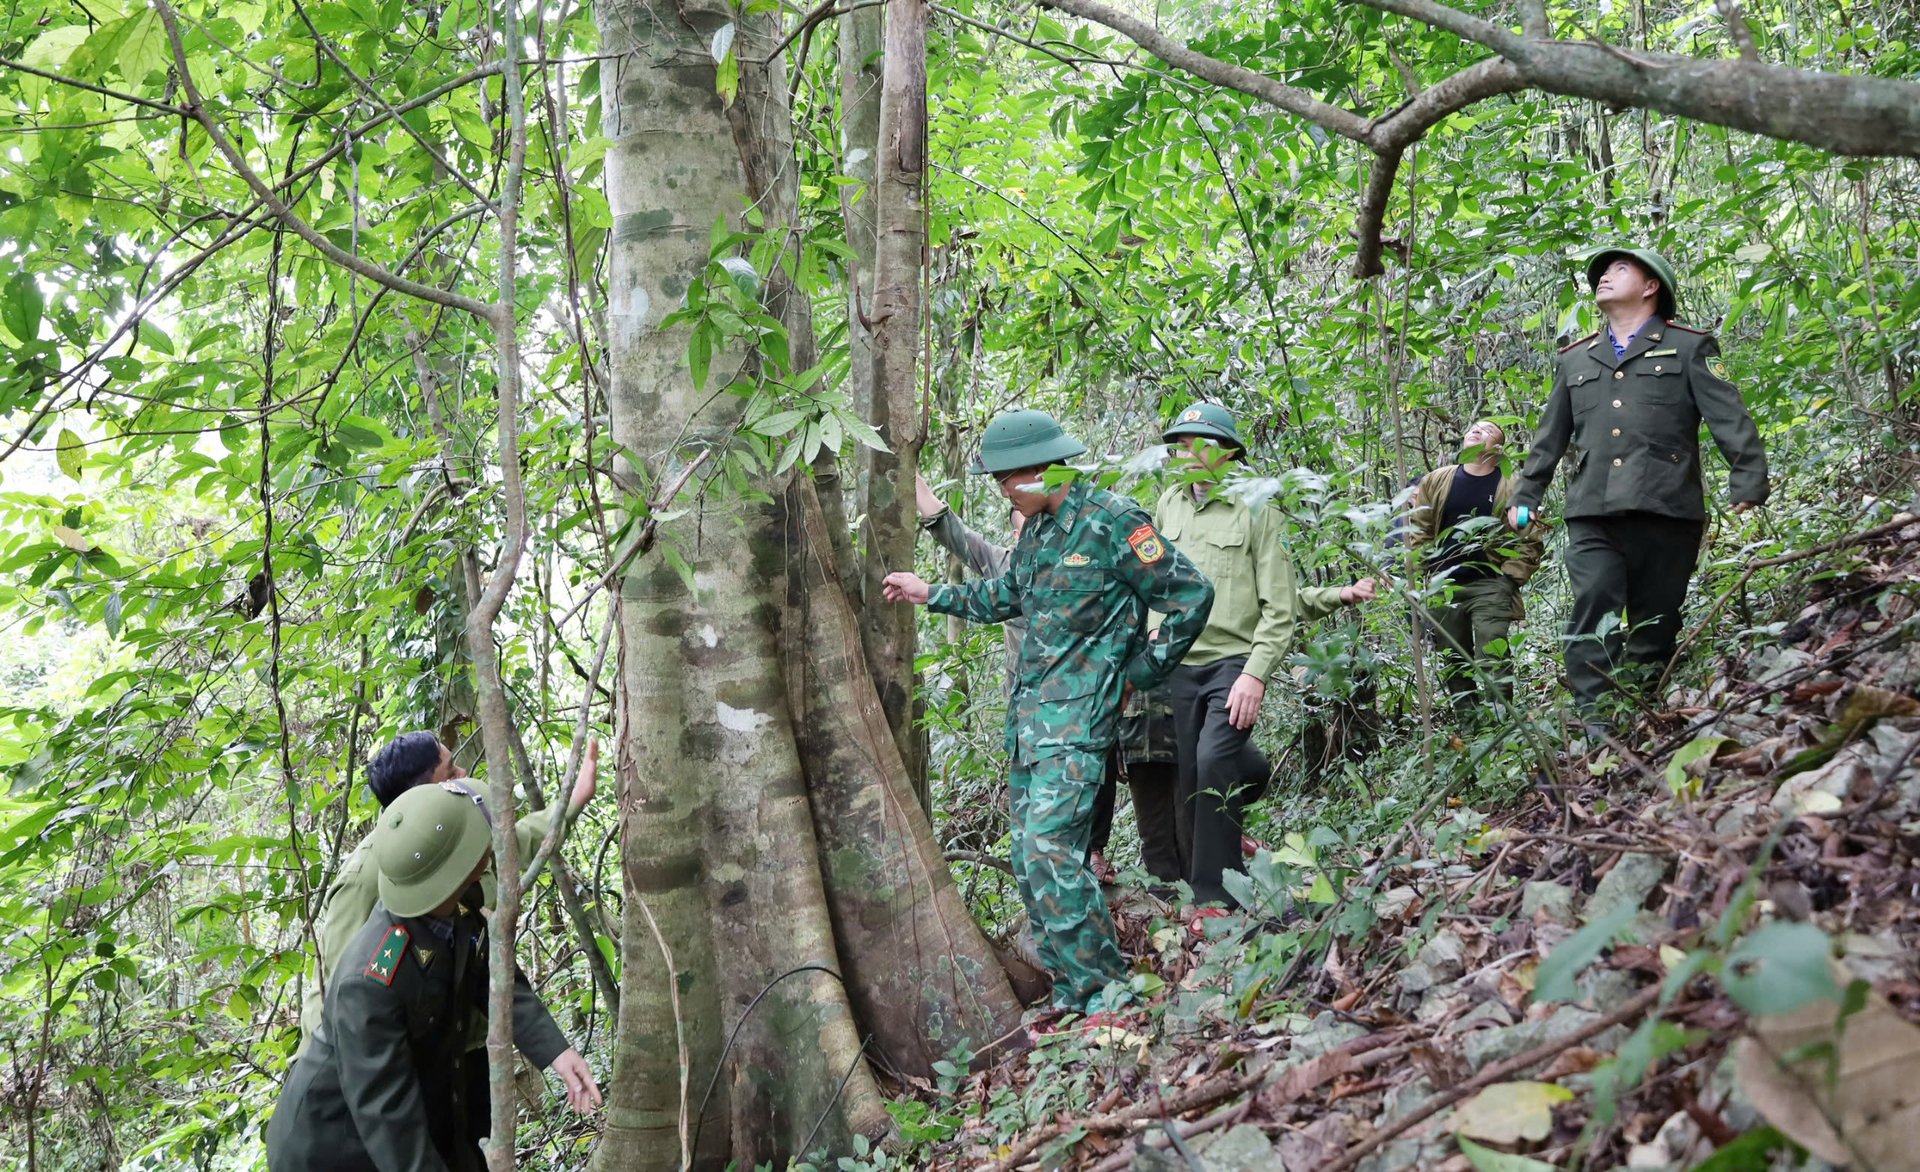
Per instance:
{"type": "Point", "coordinates": [1084, 576]}
{"type": "Point", "coordinates": [1635, 501]}
{"type": "Point", "coordinates": [385, 1083]}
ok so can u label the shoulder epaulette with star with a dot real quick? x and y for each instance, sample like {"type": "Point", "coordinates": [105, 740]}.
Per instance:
{"type": "Point", "coordinates": [386, 958]}
{"type": "Point", "coordinates": [1690, 329]}
{"type": "Point", "coordinates": [1571, 345]}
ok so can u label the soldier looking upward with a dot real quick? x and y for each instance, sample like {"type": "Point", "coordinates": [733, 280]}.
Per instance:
{"type": "Point", "coordinates": [1629, 400]}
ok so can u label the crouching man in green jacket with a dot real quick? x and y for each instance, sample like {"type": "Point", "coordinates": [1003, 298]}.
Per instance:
{"type": "Point", "coordinates": [384, 1083]}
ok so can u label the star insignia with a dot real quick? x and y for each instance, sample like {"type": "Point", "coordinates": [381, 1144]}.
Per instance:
{"type": "Point", "coordinates": [385, 962]}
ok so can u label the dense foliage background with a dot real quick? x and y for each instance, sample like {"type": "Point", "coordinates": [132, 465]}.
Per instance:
{"type": "Point", "coordinates": [238, 477]}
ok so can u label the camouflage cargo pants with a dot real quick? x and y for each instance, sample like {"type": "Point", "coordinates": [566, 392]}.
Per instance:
{"type": "Point", "coordinates": [1052, 823]}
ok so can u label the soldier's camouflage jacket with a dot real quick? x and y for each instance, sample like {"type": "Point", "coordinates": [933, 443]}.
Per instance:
{"type": "Point", "coordinates": [1084, 577]}
{"type": "Point", "coordinates": [1633, 425]}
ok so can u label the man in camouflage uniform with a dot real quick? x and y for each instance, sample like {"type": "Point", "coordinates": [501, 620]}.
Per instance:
{"type": "Point", "coordinates": [1143, 753]}
{"type": "Point", "coordinates": [385, 1082]}
{"type": "Point", "coordinates": [1087, 567]}
{"type": "Point", "coordinates": [1629, 400]}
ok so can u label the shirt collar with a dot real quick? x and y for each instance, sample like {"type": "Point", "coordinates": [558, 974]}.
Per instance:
{"type": "Point", "coordinates": [1071, 504]}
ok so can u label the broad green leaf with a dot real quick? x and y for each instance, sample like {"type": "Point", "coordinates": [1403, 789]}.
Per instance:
{"type": "Point", "coordinates": [1554, 980]}
{"type": "Point", "coordinates": [1698, 749]}
{"type": "Point", "coordinates": [23, 307]}
{"type": "Point", "coordinates": [1780, 968]}
{"type": "Point", "coordinates": [1508, 1112]}
{"type": "Point", "coordinates": [70, 452]}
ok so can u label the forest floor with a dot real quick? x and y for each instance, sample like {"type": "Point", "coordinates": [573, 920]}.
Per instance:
{"type": "Point", "coordinates": [1696, 941]}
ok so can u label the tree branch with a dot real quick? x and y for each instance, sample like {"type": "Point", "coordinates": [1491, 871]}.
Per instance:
{"type": "Point", "coordinates": [1292, 99]}
{"type": "Point", "coordinates": [1845, 114]}
{"type": "Point", "coordinates": [1739, 29]}
{"type": "Point", "coordinates": [196, 108]}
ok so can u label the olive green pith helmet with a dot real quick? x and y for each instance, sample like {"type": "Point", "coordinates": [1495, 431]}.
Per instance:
{"type": "Point", "coordinates": [1024, 439]}
{"type": "Point", "coordinates": [1666, 307]}
{"type": "Point", "coordinates": [1205, 419]}
{"type": "Point", "coordinates": [427, 843]}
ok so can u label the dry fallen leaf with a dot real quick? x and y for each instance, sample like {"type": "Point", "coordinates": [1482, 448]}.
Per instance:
{"type": "Point", "coordinates": [1870, 1086]}
{"type": "Point", "coordinates": [1510, 1111]}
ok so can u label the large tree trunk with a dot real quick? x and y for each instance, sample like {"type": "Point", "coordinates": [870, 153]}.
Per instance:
{"type": "Point", "coordinates": [724, 777]}
{"type": "Point", "coordinates": [899, 252]}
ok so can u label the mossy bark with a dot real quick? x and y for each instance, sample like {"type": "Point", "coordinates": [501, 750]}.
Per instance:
{"type": "Point", "coordinates": [763, 852]}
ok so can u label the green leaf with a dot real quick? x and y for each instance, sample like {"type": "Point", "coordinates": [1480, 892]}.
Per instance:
{"type": "Point", "coordinates": [23, 307]}
{"type": "Point", "coordinates": [1780, 968]}
{"type": "Point", "coordinates": [115, 605]}
{"type": "Point", "coordinates": [1553, 981]}
{"type": "Point", "coordinates": [1752, 1152]}
{"type": "Point", "coordinates": [70, 452]}
{"type": "Point", "coordinates": [143, 47]}
{"type": "Point", "coordinates": [1698, 749]}
{"type": "Point", "coordinates": [155, 337]}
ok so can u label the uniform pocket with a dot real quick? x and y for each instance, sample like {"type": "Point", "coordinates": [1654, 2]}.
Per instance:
{"type": "Point", "coordinates": [1076, 597]}
{"type": "Point", "coordinates": [1657, 381]}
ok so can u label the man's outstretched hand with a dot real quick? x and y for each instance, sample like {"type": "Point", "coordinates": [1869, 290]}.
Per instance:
{"type": "Point", "coordinates": [589, 779]}
{"type": "Point", "coordinates": [583, 1094]}
{"type": "Point", "coordinates": [901, 586]}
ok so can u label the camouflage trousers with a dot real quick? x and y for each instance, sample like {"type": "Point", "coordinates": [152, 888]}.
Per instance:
{"type": "Point", "coordinates": [1052, 821]}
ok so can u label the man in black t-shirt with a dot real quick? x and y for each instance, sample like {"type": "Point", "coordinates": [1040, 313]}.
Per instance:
{"type": "Point", "coordinates": [1473, 559]}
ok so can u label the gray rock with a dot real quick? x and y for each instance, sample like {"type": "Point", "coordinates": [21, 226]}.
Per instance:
{"type": "Point", "coordinates": [1632, 879]}
{"type": "Point", "coordinates": [1402, 1155]}
{"type": "Point", "coordinates": [1498, 1045]}
{"type": "Point", "coordinates": [1835, 779]}
{"type": "Point", "coordinates": [1608, 989]}
{"type": "Point", "coordinates": [1439, 960]}
{"type": "Point", "coordinates": [1325, 1032]}
{"type": "Point", "coordinates": [1556, 899]}
{"type": "Point", "coordinates": [1244, 1148]}
{"type": "Point", "coordinates": [1492, 1012]}
{"type": "Point", "coordinates": [1405, 1099]}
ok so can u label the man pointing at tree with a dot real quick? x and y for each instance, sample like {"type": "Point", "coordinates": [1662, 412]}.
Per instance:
{"type": "Point", "coordinates": [1086, 569]}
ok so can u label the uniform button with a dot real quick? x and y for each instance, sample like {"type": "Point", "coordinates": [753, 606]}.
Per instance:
{"type": "Point", "coordinates": [1616, 433]}
{"type": "Point", "coordinates": [1619, 374]}
{"type": "Point", "coordinates": [1616, 402]}
{"type": "Point", "coordinates": [1656, 368]}
{"type": "Point", "coordinates": [1616, 461]}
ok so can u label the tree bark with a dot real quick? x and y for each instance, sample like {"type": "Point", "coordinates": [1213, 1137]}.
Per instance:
{"type": "Point", "coordinates": [716, 755]}
{"type": "Point", "coordinates": [889, 529]}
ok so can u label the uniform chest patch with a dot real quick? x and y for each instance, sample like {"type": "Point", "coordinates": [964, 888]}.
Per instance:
{"type": "Point", "coordinates": [386, 958]}
{"type": "Point", "coordinates": [1147, 545]}
{"type": "Point", "coordinates": [1075, 559]}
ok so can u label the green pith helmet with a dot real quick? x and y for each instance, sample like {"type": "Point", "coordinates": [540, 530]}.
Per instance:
{"type": "Point", "coordinates": [1668, 305]}
{"type": "Point", "coordinates": [427, 844]}
{"type": "Point", "coordinates": [1024, 439]}
{"type": "Point", "coordinates": [1206, 419]}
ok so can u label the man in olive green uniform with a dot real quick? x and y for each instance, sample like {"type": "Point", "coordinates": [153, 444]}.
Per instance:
{"type": "Point", "coordinates": [383, 1085]}
{"type": "Point", "coordinates": [1087, 567]}
{"type": "Point", "coordinates": [409, 760]}
{"type": "Point", "coordinates": [1475, 563]}
{"type": "Point", "coordinates": [1629, 400]}
{"type": "Point", "coordinates": [1218, 687]}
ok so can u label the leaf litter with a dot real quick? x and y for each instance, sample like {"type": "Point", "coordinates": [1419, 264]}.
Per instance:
{"type": "Point", "coordinates": [1690, 953]}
